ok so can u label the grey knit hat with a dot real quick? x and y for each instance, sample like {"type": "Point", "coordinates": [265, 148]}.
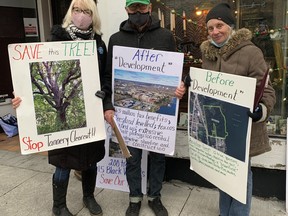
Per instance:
{"type": "Point", "coordinates": [222, 12]}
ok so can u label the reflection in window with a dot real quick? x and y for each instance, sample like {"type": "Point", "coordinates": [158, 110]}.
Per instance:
{"type": "Point", "coordinates": [265, 18]}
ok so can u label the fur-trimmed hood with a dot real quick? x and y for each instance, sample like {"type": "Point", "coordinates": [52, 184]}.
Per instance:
{"type": "Point", "coordinates": [239, 38]}
{"type": "Point", "coordinates": [239, 56]}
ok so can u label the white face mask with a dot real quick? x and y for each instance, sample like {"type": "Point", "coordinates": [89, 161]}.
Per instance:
{"type": "Point", "coordinates": [81, 20]}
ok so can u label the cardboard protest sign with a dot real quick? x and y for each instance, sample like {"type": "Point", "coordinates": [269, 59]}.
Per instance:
{"type": "Point", "coordinates": [146, 107]}
{"type": "Point", "coordinates": [219, 128]}
{"type": "Point", "coordinates": [112, 169]}
{"type": "Point", "coordinates": [57, 82]}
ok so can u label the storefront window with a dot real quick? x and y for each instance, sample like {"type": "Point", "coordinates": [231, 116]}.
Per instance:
{"type": "Point", "coordinates": [19, 23]}
{"type": "Point", "coordinates": [267, 20]}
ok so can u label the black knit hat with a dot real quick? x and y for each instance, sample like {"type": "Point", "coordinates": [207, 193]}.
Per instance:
{"type": "Point", "coordinates": [222, 12]}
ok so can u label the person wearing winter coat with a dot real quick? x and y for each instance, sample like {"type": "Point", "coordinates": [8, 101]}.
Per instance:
{"type": "Point", "coordinates": [141, 30]}
{"type": "Point", "coordinates": [231, 51]}
{"type": "Point", "coordinates": [81, 22]}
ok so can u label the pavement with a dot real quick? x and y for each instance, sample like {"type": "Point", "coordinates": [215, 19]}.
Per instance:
{"type": "Point", "coordinates": [26, 190]}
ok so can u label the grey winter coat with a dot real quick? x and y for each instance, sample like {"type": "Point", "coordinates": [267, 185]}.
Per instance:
{"type": "Point", "coordinates": [241, 57]}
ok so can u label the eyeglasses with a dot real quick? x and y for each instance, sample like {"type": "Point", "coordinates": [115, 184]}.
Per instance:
{"type": "Point", "coordinates": [136, 7]}
{"type": "Point", "coordinates": [78, 11]}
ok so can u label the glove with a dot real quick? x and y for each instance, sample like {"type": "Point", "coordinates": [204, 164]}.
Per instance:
{"type": "Point", "coordinates": [187, 81]}
{"type": "Point", "coordinates": [259, 114]}
{"type": "Point", "coordinates": [100, 94]}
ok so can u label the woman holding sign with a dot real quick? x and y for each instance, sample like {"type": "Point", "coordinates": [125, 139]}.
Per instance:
{"type": "Point", "coordinates": [231, 51]}
{"type": "Point", "coordinates": [81, 22]}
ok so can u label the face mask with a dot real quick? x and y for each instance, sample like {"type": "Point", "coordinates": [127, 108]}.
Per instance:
{"type": "Point", "coordinates": [81, 20]}
{"type": "Point", "coordinates": [139, 19]}
{"type": "Point", "coordinates": [222, 44]}
{"type": "Point", "coordinates": [218, 45]}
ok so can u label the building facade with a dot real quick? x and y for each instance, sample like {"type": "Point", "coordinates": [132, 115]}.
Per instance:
{"type": "Point", "coordinates": [31, 21]}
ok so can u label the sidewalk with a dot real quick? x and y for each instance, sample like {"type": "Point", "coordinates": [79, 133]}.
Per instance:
{"type": "Point", "coordinates": [25, 190]}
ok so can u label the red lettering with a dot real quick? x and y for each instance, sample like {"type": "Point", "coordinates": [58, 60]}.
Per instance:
{"type": "Point", "coordinates": [105, 180]}
{"type": "Point", "coordinates": [32, 145]}
{"type": "Point", "coordinates": [28, 51]}
{"type": "Point", "coordinates": [15, 48]}
{"type": "Point", "coordinates": [118, 181]}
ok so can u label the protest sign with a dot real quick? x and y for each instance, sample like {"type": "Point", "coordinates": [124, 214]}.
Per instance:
{"type": "Point", "coordinates": [144, 97]}
{"type": "Point", "coordinates": [219, 128]}
{"type": "Point", "coordinates": [57, 82]}
{"type": "Point", "coordinates": [112, 169]}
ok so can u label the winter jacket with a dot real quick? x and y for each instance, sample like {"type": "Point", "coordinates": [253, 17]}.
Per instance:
{"type": "Point", "coordinates": [154, 37]}
{"type": "Point", "coordinates": [241, 57]}
{"type": "Point", "coordinates": [81, 157]}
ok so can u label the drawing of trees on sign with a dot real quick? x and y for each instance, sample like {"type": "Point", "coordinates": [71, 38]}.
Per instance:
{"type": "Point", "coordinates": [58, 95]}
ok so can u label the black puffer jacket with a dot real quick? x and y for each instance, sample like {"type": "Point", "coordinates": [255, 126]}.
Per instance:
{"type": "Point", "coordinates": [82, 157]}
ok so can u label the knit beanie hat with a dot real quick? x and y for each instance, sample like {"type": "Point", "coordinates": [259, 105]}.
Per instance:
{"type": "Point", "coordinates": [222, 12]}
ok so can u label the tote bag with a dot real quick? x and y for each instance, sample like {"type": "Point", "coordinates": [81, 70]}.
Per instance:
{"type": "Point", "coordinates": [9, 125]}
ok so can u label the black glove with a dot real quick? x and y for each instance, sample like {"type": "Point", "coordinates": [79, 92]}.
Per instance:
{"type": "Point", "coordinates": [187, 81]}
{"type": "Point", "coordinates": [100, 94]}
{"type": "Point", "coordinates": [257, 114]}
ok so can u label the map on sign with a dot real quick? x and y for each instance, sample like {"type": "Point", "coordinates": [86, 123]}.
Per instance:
{"type": "Point", "coordinates": [210, 126]}
{"type": "Point", "coordinates": [219, 128]}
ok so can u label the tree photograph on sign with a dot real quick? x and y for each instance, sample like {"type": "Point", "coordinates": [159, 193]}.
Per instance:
{"type": "Point", "coordinates": [58, 95]}
{"type": "Point", "coordinates": [56, 82]}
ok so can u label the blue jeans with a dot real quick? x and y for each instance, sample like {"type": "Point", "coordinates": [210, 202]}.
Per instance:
{"type": "Point", "coordinates": [63, 174]}
{"type": "Point", "coordinates": [230, 206]}
{"type": "Point", "coordinates": [134, 174]}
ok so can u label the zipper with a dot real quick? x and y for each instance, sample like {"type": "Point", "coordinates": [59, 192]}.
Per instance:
{"type": "Point", "coordinates": [140, 35]}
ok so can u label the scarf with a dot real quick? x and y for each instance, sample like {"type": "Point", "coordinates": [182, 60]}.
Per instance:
{"type": "Point", "coordinates": [78, 34]}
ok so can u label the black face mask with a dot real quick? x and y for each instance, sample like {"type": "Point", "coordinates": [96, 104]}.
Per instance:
{"type": "Point", "coordinates": [139, 19]}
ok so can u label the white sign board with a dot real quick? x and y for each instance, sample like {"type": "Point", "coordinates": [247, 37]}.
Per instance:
{"type": "Point", "coordinates": [219, 128]}
{"type": "Point", "coordinates": [112, 168]}
{"type": "Point", "coordinates": [57, 82]}
{"type": "Point", "coordinates": [144, 97]}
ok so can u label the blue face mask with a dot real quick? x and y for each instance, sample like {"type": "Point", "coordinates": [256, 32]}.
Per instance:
{"type": "Point", "coordinates": [219, 45]}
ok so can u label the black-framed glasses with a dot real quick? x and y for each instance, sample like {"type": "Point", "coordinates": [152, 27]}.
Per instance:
{"type": "Point", "coordinates": [136, 7]}
{"type": "Point", "coordinates": [79, 10]}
